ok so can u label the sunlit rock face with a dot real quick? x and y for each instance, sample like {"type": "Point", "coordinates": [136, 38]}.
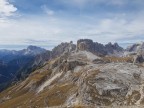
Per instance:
{"type": "Point", "coordinates": [99, 49]}
{"type": "Point", "coordinates": [136, 51]}
{"type": "Point", "coordinates": [85, 44]}
{"type": "Point", "coordinates": [137, 47]}
{"type": "Point", "coordinates": [63, 47]}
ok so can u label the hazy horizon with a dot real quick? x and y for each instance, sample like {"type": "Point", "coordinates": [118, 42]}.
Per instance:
{"type": "Point", "coordinates": [20, 47]}
{"type": "Point", "coordinates": [47, 47]}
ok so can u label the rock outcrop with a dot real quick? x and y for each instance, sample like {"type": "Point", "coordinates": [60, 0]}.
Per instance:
{"type": "Point", "coordinates": [136, 51]}
{"type": "Point", "coordinates": [138, 58]}
{"type": "Point", "coordinates": [63, 47]}
{"type": "Point", "coordinates": [99, 49]}
{"type": "Point", "coordinates": [135, 47]}
{"type": "Point", "coordinates": [85, 45]}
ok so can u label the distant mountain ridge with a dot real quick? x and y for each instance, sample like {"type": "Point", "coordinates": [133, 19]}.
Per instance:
{"type": "Point", "coordinates": [7, 55]}
{"type": "Point", "coordinates": [13, 62]}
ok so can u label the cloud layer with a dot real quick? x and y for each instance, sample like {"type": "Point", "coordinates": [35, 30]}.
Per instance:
{"type": "Point", "coordinates": [6, 9]}
{"type": "Point", "coordinates": [43, 22]}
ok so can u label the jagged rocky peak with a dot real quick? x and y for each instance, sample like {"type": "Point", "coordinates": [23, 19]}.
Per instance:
{"type": "Point", "coordinates": [31, 47]}
{"type": "Point", "coordinates": [136, 51]}
{"type": "Point", "coordinates": [32, 50]}
{"type": "Point", "coordinates": [35, 48]}
{"type": "Point", "coordinates": [89, 45]}
{"type": "Point", "coordinates": [114, 46]}
{"type": "Point", "coordinates": [99, 49]}
{"type": "Point", "coordinates": [136, 47]}
{"type": "Point", "coordinates": [85, 44]}
{"type": "Point", "coordinates": [109, 45]}
{"type": "Point", "coordinates": [63, 47]}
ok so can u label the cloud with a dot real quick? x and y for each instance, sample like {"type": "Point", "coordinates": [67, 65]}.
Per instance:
{"type": "Point", "coordinates": [48, 11]}
{"type": "Point", "coordinates": [57, 30]}
{"type": "Point", "coordinates": [6, 9]}
{"type": "Point", "coordinates": [41, 42]}
{"type": "Point", "coordinates": [55, 27]}
{"type": "Point", "coordinates": [17, 31]}
{"type": "Point", "coordinates": [52, 7]}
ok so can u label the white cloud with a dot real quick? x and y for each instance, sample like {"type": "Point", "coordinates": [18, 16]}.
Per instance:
{"type": "Point", "coordinates": [117, 27]}
{"type": "Point", "coordinates": [16, 32]}
{"type": "Point", "coordinates": [117, 30]}
{"type": "Point", "coordinates": [6, 9]}
{"type": "Point", "coordinates": [48, 11]}
{"type": "Point", "coordinates": [61, 30]}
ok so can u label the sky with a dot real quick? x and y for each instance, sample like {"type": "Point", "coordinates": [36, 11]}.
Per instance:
{"type": "Point", "coordinates": [50, 22]}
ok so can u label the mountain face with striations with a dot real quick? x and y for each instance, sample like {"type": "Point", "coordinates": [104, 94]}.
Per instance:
{"type": "Point", "coordinates": [14, 62]}
{"type": "Point", "coordinates": [17, 65]}
{"type": "Point", "coordinates": [7, 55]}
{"type": "Point", "coordinates": [86, 75]}
{"type": "Point", "coordinates": [100, 49]}
{"type": "Point", "coordinates": [137, 51]}
{"type": "Point", "coordinates": [135, 48]}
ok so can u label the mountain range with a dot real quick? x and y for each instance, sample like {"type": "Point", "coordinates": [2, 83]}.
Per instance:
{"type": "Point", "coordinates": [13, 62]}
{"type": "Point", "coordinates": [83, 75]}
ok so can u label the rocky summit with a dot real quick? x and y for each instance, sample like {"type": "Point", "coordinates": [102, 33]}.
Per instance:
{"type": "Point", "coordinates": [98, 48]}
{"type": "Point", "coordinates": [86, 75]}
